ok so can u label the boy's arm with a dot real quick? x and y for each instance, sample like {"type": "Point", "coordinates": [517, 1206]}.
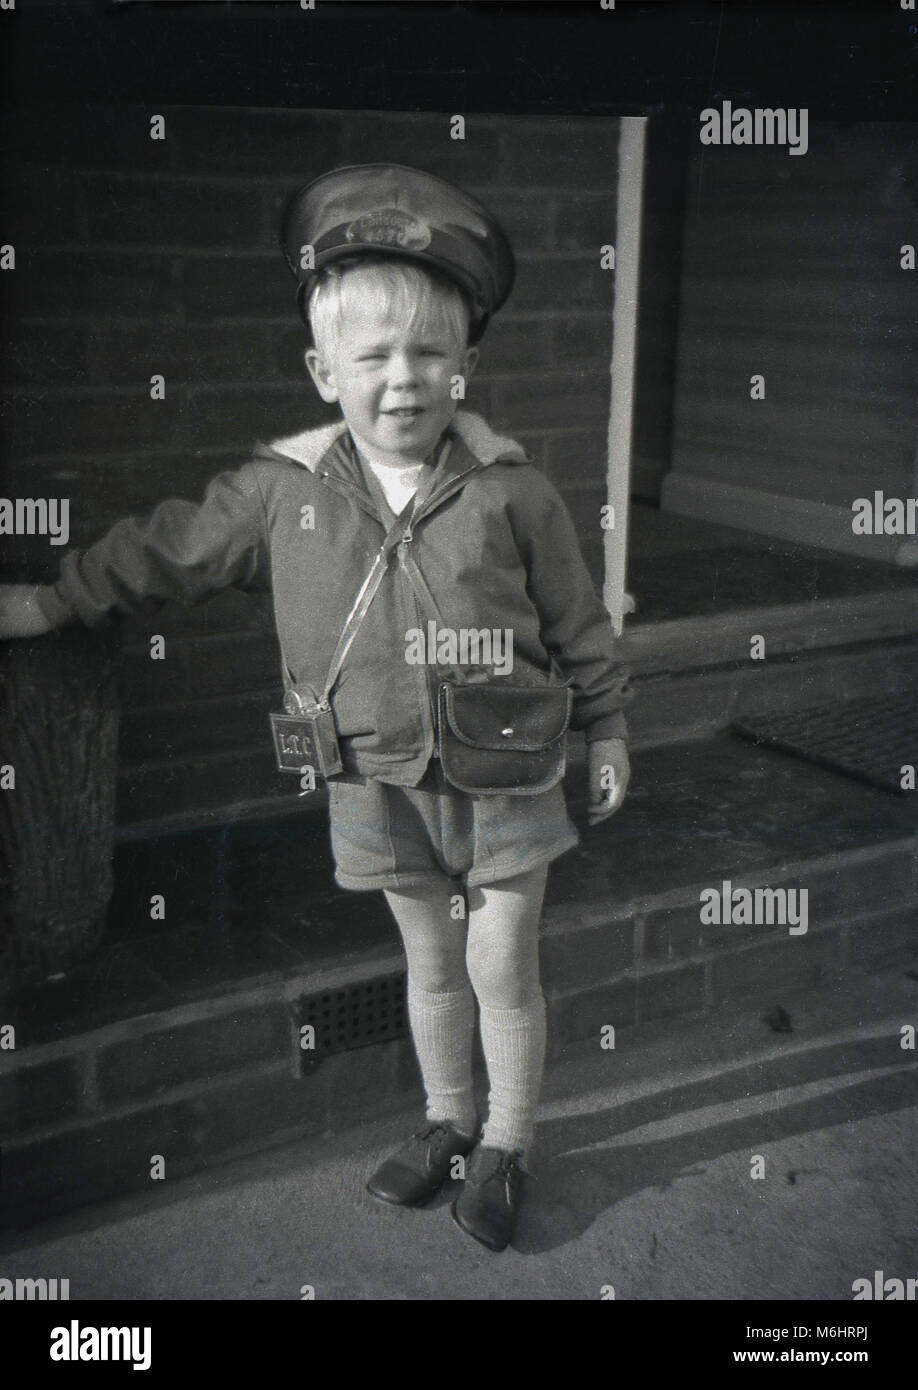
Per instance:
{"type": "Point", "coordinates": [576, 628]}
{"type": "Point", "coordinates": [181, 550]}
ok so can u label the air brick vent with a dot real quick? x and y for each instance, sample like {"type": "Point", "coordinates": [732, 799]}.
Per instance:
{"type": "Point", "coordinates": [357, 1015]}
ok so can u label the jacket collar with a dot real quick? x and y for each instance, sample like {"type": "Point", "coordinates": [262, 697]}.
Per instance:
{"type": "Point", "coordinates": [313, 447]}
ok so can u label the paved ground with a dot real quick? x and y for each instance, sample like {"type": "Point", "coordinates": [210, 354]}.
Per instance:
{"type": "Point", "coordinates": [642, 1180]}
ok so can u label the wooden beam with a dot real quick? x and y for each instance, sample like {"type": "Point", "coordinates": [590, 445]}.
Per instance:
{"type": "Point", "coordinates": [624, 334]}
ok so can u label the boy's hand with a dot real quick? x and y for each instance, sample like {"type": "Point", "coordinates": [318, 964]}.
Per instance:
{"type": "Point", "coordinates": [20, 615]}
{"type": "Point", "coordinates": [609, 772]}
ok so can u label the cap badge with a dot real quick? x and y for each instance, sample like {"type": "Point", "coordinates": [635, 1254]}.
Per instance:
{"type": "Point", "coordinates": [390, 227]}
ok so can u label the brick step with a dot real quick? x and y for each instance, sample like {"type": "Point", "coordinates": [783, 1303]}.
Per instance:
{"type": "Point", "coordinates": [712, 639]}
{"type": "Point", "coordinates": [681, 967]}
{"type": "Point", "coordinates": [672, 706]}
{"type": "Point", "coordinates": [155, 735]}
{"type": "Point", "coordinates": [81, 1117]}
{"type": "Point", "coordinates": [199, 667]}
{"type": "Point", "coordinates": [223, 648]}
{"type": "Point", "coordinates": [193, 763]}
{"type": "Point", "coordinates": [170, 794]}
{"type": "Point", "coordinates": [668, 703]}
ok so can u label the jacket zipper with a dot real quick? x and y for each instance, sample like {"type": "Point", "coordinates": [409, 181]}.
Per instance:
{"type": "Point", "coordinates": [426, 682]}
{"type": "Point", "coordinates": [423, 681]}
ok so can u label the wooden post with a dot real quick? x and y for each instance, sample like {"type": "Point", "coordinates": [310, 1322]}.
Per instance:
{"type": "Point", "coordinates": [59, 713]}
{"type": "Point", "coordinates": [624, 333]}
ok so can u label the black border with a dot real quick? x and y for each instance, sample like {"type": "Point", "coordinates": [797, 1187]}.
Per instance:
{"type": "Point", "coordinates": [841, 60]}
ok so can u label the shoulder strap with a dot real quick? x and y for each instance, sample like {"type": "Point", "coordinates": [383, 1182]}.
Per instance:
{"type": "Point", "coordinates": [398, 531]}
{"type": "Point", "coordinates": [399, 528]}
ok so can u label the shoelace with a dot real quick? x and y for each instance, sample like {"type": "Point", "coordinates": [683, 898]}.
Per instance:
{"type": "Point", "coordinates": [505, 1164]}
{"type": "Point", "coordinates": [503, 1170]}
{"type": "Point", "coordinates": [430, 1130]}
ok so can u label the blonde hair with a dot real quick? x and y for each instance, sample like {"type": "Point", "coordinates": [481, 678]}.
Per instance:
{"type": "Point", "coordinates": [409, 292]}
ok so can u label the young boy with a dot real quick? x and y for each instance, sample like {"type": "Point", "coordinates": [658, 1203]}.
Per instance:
{"type": "Point", "coordinates": [398, 276]}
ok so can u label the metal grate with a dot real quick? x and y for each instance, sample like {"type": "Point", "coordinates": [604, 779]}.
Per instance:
{"type": "Point", "coordinates": [868, 739]}
{"type": "Point", "coordinates": [354, 1016]}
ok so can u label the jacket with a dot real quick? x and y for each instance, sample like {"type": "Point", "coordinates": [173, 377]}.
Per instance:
{"type": "Point", "coordinates": [492, 539]}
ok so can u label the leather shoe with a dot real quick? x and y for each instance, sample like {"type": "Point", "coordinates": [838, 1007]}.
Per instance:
{"type": "Point", "coordinates": [416, 1170]}
{"type": "Point", "coordinates": [487, 1205]}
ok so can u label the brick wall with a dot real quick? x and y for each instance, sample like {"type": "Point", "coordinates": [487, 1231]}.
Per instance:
{"type": "Point", "coordinates": [136, 257]}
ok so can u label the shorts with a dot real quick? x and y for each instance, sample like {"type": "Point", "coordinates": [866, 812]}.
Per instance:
{"type": "Point", "coordinates": [410, 837]}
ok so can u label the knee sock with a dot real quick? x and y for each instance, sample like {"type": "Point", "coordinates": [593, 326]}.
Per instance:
{"type": "Point", "coordinates": [442, 1027]}
{"type": "Point", "coordinates": [513, 1041]}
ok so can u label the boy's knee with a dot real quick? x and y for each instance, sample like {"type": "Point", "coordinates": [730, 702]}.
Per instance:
{"type": "Point", "coordinates": [438, 967]}
{"type": "Point", "coordinates": [507, 993]}
{"type": "Point", "coordinates": [502, 976]}
{"type": "Point", "coordinates": [434, 944]}
{"type": "Point", "coordinates": [437, 977]}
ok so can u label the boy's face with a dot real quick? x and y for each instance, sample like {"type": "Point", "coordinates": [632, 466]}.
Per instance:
{"type": "Point", "coordinates": [393, 382]}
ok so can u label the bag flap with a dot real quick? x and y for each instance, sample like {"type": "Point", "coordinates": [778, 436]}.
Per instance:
{"type": "Point", "coordinates": [526, 718]}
